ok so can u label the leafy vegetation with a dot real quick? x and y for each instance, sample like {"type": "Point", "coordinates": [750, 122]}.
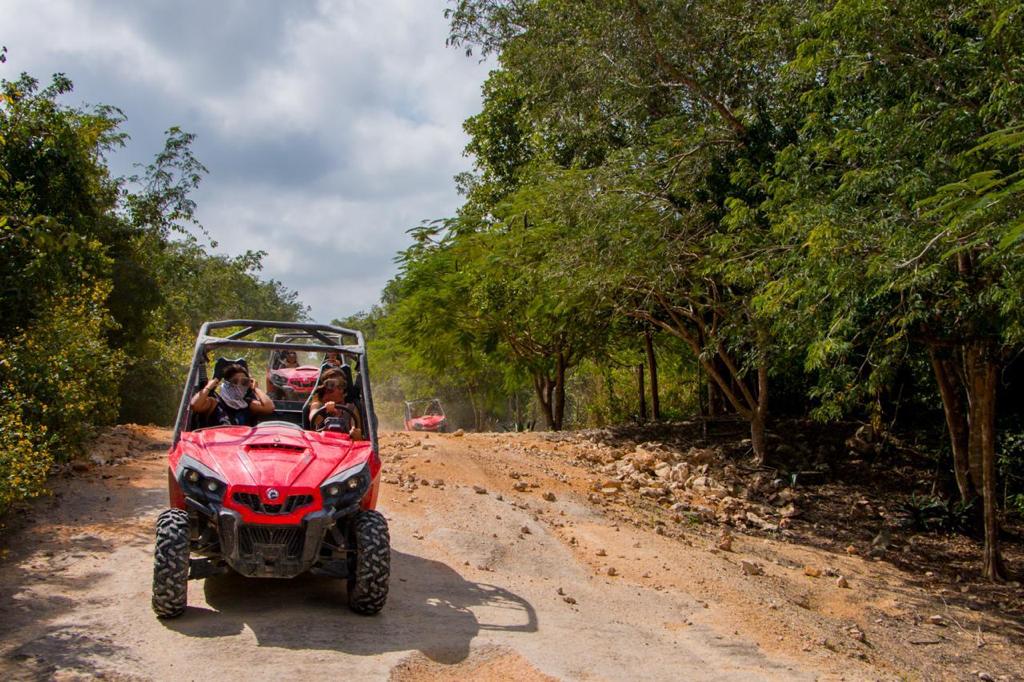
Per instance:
{"type": "Point", "coordinates": [807, 208]}
{"type": "Point", "coordinates": [103, 281]}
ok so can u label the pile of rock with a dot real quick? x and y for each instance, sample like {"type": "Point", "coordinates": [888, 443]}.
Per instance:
{"type": "Point", "coordinates": [120, 443]}
{"type": "Point", "coordinates": [695, 483]}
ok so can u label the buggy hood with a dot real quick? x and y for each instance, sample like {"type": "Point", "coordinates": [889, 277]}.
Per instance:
{"type": "Point", "coordinates": [276, 456]}
{"type": "Point", "coordinates": [303, 377]}
{"type": "Point", "coordinates": [428, 420]}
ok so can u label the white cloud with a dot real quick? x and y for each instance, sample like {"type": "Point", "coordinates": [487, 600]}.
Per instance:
{"type": "Point", "coordinates": [337, 251]}
{"type": "Point", "coordinates": [68, 30]}
{"type": "Point", "coordinates": [330, 127]}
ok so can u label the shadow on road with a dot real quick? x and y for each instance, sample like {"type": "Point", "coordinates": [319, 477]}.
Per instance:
{"type": "Point", "coordinates": [429, 609]}
{"type": "Point", "coordinates": [57, 553]}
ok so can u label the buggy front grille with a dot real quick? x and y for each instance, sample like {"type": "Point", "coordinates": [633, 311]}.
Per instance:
{"type": "Point", "coordinates": [286, 540]}
{"type": "Point", "coordinates": [290, 504]}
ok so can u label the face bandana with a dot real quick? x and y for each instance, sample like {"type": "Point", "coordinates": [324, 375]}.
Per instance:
{"type": "Point", "coordinates": [234, 395]}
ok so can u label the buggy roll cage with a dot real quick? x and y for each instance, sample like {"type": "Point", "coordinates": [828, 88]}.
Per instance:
{"type": "Point", "coordinates": [207, 341]}
{"type": "Point", "coordinates": [291, 337]}
{"type": "Point", "coordinates": [409, 404]}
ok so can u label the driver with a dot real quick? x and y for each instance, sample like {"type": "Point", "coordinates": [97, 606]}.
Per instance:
{"type": "Point", "coordinates": [238, 403]}
{"type": "Point", "coordinates": [329, 401]}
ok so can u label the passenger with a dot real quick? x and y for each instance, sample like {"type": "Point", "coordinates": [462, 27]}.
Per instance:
{"type": "Point", "coordinates": [238, 403]}
{"type": "Point", "coordinates": [291, 359]}
{"type": "Point", "coordinates": [330, 406]}
{"type": "Point", "coordinates": [333, 359]}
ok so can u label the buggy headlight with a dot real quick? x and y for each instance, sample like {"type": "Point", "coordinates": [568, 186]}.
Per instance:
{"type": "Point", "coordinates": [200, 482]}
{"type": "Point", "coordinates": [346, 488]}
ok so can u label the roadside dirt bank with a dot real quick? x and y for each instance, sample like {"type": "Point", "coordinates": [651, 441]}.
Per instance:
{"type": "Point", "coordinates": [504, 567]}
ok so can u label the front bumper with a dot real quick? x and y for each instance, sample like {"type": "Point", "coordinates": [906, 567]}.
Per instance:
{"type": "Point", "coordinates": [268, 551]}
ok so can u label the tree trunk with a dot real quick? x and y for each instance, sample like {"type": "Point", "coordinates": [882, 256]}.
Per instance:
{"type": "Point", "coordinates": [760, 415]}
{"type": "Point", "coordinates": [543, 385]}
{"type": "Point", "coordinates": [750, 403]}
{"type": "Point", "coordinates": [652, 367]}
{"type": "Point", "coordinates": [716, 405]}
{"type": "Point", "coordinates": [519, 421]}
{"type": "Point", "coordinates": [641, 392]}
{"type": "Point", "coordinates": [558, 409]}
{"type": "Point", "coordinates": [758, 441]}
{"type": "Point", "coordinates": [472, 405]}
{"type": "Point", "coordinates": [727, 376]}
{"type": "Point", "coordinates": [983, 376]}
{"type": "Point", "coordinates": [951, 389]}
{"type": "Point", "coordinates": [610, 390]}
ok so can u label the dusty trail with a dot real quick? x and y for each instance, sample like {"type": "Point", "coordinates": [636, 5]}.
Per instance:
{"type": "Point", "coordinates": [499, 584]}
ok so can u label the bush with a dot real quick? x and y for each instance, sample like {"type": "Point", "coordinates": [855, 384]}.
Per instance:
{"type": "Point", "coordinates": [1010, 448]}
{"type": "Point", "coordinates": [63, 364]}
{"type": "Point", "coordinates": [163, 368]}
{"type": "Point", "coordinates": [930, 513]}
{"type": "Point", "coordinates": [24, 456]}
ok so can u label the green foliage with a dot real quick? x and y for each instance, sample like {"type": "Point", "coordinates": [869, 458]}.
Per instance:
{"type": "Point", "coordinates": [64, 364]}
{"type": "Point", "coordinates": [24, 456]}
{"type": "Point", "coordinates": [56, 196]}
{"type": "Point", "coordinates": [819, 192]}
{"type": "Point", "coordinates": [872, 193]}
{"type": "Point", "coordinates": [103, 282]}
{"type": "Point", "coordinates": [1011, 467]}
{"type": "Point", "coordinates": [928, 513]}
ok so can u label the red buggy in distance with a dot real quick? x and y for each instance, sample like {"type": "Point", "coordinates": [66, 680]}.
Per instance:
{"type": "Point", "coordinates": [273, 498]}
{"type": "Point", "coordinates": [298, 381]}
{"type": "Point", "coordinates": [425, 415]}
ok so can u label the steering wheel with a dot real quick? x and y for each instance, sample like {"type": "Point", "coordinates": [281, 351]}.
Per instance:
{"type": "Point", "coordinates": [346, 408]}
{"type": "Point", "coordinates": [353, 417]}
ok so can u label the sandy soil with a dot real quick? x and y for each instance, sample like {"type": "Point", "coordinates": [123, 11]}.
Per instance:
{"type": "Point", "coordinates": [488, 582]}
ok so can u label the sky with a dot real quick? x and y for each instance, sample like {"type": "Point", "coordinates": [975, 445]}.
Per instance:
{"type": "Point", "coordinates": [329, 127]}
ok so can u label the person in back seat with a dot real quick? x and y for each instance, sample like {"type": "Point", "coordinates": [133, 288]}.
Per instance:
{"type": "Point", "coordinates": [238, 403]}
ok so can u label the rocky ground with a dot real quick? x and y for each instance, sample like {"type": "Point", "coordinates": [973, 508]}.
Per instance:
{"type": "Point", "coordinates": [655, 554]}
{"type": "Point", "coordinates": [843, 495]}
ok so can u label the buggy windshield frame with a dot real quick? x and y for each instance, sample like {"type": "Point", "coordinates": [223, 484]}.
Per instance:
{"type": "Point", "coordinates": [346, 341]}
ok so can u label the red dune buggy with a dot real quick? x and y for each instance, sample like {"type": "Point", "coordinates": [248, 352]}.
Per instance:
{"type": "Point", "coordinates": [291, 374]}
{"type": "Point", "coordinates": [273, 498]}
{"type": "Point", "coordinates": [425, 415]}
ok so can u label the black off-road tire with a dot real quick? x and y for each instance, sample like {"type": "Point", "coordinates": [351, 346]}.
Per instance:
{"type": "Point", "coordinates": [368, 591]}
{"type": "Point", "coordinates": [170, 564]}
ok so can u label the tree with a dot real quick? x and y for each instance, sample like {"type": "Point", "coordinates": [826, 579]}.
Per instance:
{"type": "Point", "coordinates": [671, 105]}
{"type": "Point", "coordinates": [99, 277]}
{"type": "Point", "coordinates": [897, 96]}
{"type": "Point", "coordinates": [526, 301]}
{"type": "Point", "coordinates": [56, 196]}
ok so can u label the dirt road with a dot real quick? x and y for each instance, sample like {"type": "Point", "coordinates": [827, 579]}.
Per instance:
{"type": "Point", "coordinates": [488, 582]}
